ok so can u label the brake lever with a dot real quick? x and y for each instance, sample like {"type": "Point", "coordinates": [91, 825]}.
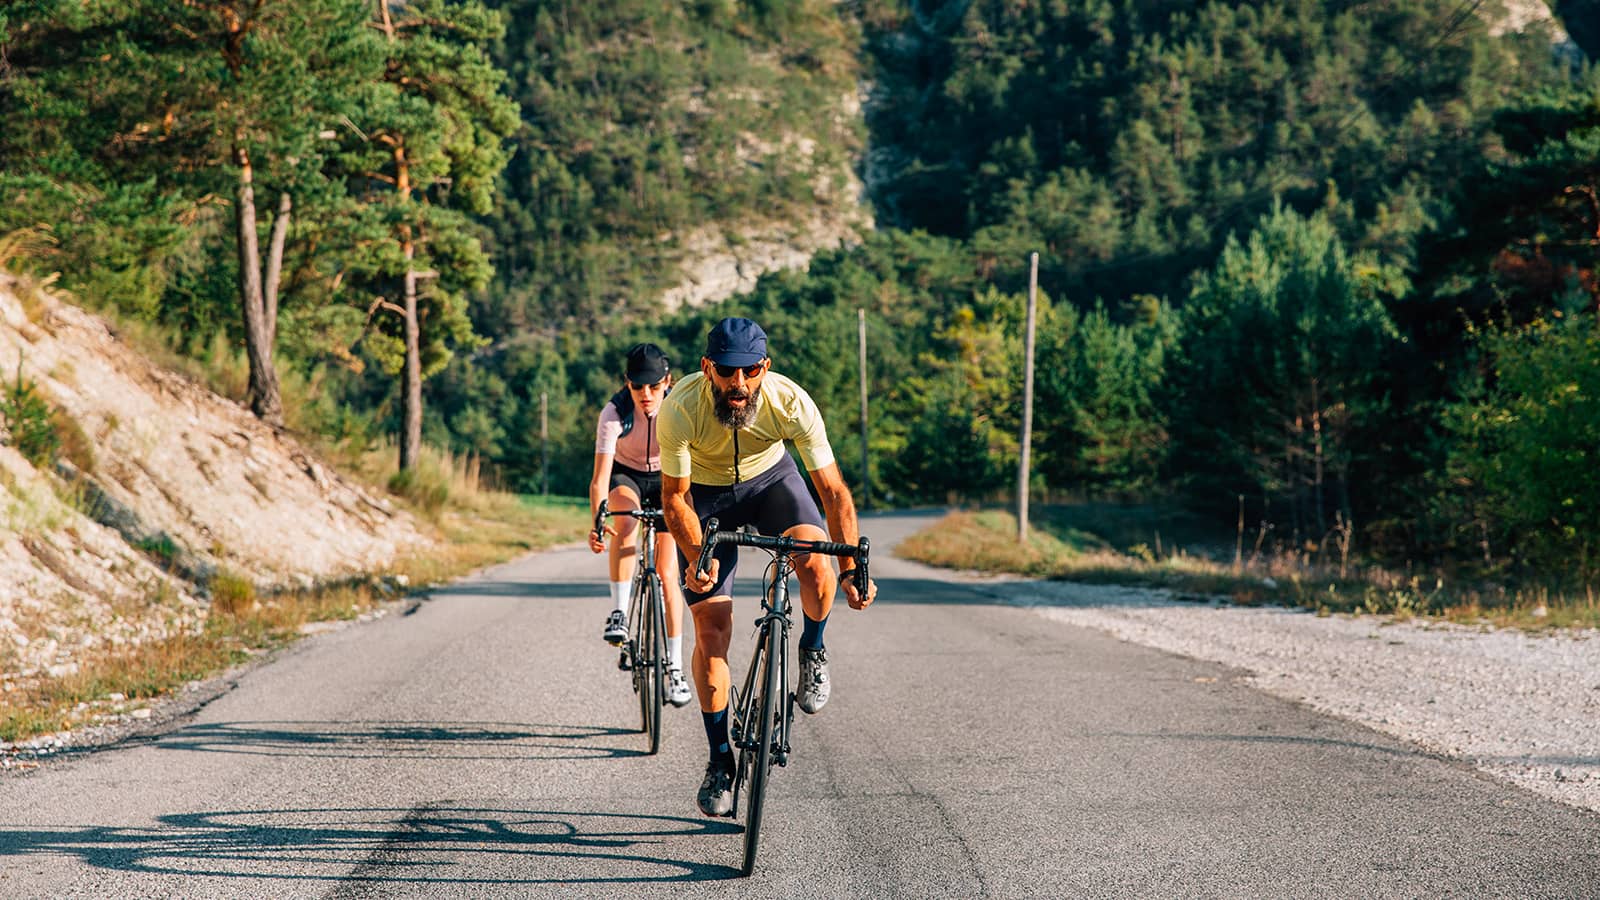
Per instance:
{"type": "Point", "coordinates": [703, 565]}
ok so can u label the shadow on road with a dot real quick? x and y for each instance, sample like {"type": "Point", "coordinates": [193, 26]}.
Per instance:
{"type": "Point", "coordinates": [1022, 593]}
{"type": "Point", "coordinates": [543, 590]}
{"type": "Point", "coordinates": [1404, 751]}
{"type": "Point", "coordinates": [399, 740]}
{"type": "Point", "coordinates": [1014, 592]}
{"type": "Point", "coordinates": [376, 846]}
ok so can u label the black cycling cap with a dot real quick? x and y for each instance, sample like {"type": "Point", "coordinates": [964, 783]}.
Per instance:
{"type": "Point", "coordinates": [647, 364]}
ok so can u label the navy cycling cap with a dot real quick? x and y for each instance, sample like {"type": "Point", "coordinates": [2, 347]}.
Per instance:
{"type": "Point", "coordinates": [736, 342]}
{"type": "Point", "coordinates": [647, 364]}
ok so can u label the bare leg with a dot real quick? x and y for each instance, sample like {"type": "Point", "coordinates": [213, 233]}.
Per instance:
{"type": "Point", "coordinates": [622, 551]}
{"type": "Point", "coordinates": [817, 584]}
{"type": "Point", "coordinates": [713, 625]}
{"type": "Point", "coordinates": [667, 564]}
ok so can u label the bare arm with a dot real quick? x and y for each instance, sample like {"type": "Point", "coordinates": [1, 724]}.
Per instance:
{"type": "Point", "coordinates": [838, 505]}
{"type": "Point", "coordinates": [685, 528]}
{"type": "Point", "coordinates": [598, 489]}
{"type": "Point", "coordinates": [842, 528]}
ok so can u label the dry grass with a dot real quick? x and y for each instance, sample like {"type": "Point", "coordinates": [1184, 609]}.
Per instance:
{"type": "Point", "coordinates": [986, 541]}
{"type": "Point", "coordinates": [480, 527]}
{"type": "Point", "coordinates": [477, 526]}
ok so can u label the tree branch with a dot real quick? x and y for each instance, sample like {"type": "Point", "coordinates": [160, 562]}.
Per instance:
{"type": "Point", "coordinates": [280, 232]}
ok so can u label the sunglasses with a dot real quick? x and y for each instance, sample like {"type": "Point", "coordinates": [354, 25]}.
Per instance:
{"type": "Point", "coordinates": [750, 371]}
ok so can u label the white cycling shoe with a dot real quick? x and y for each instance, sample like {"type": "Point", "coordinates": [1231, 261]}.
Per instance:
{"type": "Point", "coordinates": [677, 688]}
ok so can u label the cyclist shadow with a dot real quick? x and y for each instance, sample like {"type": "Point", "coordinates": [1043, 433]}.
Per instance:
{"type": "Point", "coordinates": [467, 741]}
{"type": "Point", "coordinates": [436, 844]}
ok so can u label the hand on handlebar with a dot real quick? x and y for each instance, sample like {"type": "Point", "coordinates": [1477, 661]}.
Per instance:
{"type": "Point", "coordinates": [852, 594]}
{"type": "Point", "coordinates": [694, 581]}
{"type": "Point", "coordinates": [597, 539]}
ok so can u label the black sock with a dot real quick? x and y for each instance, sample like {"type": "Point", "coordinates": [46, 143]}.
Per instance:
{"type": "Point", "coordinates": [717, 736]}
{"type": "Point", "coordinates": [811, 633]}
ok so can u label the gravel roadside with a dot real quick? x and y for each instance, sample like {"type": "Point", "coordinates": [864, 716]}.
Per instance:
{"type": "Point", "coordinates": [1518, 706]}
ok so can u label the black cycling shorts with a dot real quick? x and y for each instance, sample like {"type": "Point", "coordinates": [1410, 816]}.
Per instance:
{"type": "Point", "coordinates": [774, 502]}
{"type": "Point", "coordinates": [645, 485]}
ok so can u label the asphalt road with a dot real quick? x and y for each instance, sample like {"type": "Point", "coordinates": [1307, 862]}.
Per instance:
{"type": "Point", "coordinates": [486, 744]}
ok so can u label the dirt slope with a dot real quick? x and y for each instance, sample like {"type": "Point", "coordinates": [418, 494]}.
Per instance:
{"type": "Point", "coordinates": [182, 485]}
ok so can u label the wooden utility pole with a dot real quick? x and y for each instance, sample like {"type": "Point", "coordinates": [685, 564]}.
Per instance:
{"type": "Point", "coordinates": [1027, 402]}
{"type": "Point", "coordinates": [544, 442]}
{"type": "Point", "coordinates": [861, 343]}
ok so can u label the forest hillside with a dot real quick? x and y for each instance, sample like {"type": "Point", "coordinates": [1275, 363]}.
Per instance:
{"type": "Point", "coordinates": [1327, 269]}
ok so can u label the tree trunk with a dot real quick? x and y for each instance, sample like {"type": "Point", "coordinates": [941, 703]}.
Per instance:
{"type": "Point", "coordinates": [264, 398]}
{"type": "Point", "coordinates": [280, 233]}
{"type": "Point", "coordinates": [1316, 433]}
{"type": "Point", "coordinates": [411, 383]}
{"type": "Point", "coordinates": [411, 429]}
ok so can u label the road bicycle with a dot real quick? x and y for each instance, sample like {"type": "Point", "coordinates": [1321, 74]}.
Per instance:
{"type": "Point", "coordinates": [644, 653]}
{"type": "Point", "coordinates": [762, 710]}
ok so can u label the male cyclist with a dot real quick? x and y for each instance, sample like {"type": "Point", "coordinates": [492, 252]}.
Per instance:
{"type": "Point", "coordinates": [627, 471]}
{"type": "Point", "coordinates": [722, 454]}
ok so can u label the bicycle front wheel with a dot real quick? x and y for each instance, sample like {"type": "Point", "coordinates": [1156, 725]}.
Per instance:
{"type": "Point", "coordinates": [768, 706]}
{"type": "Point", "coordinates": [650, 663]}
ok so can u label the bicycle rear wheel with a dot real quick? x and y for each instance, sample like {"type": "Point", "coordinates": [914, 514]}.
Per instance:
{"type": "Point", "coordinates": [649, 663]}
{"type": "Point", "coordinates": [768, 705]}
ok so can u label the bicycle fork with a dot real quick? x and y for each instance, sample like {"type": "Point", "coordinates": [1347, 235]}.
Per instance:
{"type": "Point", "coordinates": [777, 618]}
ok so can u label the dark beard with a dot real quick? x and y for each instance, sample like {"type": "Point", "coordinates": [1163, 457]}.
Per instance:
{"type": "Point", "coordinates": [736, 419]}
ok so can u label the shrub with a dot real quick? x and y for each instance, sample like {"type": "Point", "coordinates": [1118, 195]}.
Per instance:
{"type": "Point", "coordinates": [231, 593]}
{"type": "Point", "coordinates": [426, 485]}
{"type": "Point", "coordinates": [73, 442]}
{"type": "Point", "coordinates": [1523, 441]}
{"type": "Point", "coordinates": [29, 421]}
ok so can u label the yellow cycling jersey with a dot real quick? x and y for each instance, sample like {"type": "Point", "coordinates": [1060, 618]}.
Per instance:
{"type": "Point", "coordinates": [696, 446]}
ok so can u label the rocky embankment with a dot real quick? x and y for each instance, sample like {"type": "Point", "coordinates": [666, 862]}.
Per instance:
{"type": "Point", "coordinates": [165, 487]}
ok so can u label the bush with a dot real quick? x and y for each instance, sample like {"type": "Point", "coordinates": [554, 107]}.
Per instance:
{"type": "Point", "coordinates": [231, 594]}
{"type": "Point", "coordinates": [1523, 444]}
{"type": "Point", "coordinates": [426, 485]}
{"type": "Point", "coordinates": [30, 422]}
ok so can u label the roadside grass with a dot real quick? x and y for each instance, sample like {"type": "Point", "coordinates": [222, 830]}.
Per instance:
{"type": "Point", "coordinates": [1065, 544]}
{"type": "Point", "coordinates": [473, 523]}
{"type": "Point", "coordinates": [476, 527]}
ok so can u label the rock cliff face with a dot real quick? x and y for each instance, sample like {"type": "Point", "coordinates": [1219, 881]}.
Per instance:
{"type": "Point", "coordinates": [1519, 15]}
{"type": "Point", "coordinates": [726, 258]}
{"type": "Point", "coordinates": [175, 486]}
{"type": "Point", "coordinates": [722, 262]}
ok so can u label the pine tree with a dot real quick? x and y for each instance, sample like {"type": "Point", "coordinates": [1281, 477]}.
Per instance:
{"type": "Point", "coordinates": [1279, 371]}
{"type": "Point", "coordinates": [194, 100]}
{"type": "Point", "coordinates": [431, 147]}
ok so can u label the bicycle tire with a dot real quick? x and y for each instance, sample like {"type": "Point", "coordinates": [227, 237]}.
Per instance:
{"type": "Point", "coordinates": [634, 648]}
{"type": "Point", "coordinates": [767, 708]}
{"type": "Point", "coordinates": [653, 646]}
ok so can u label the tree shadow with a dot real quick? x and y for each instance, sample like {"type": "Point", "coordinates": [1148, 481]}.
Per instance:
{"type": "Point", "coordinates": [398, 740]}
{"type": "Point", "coordinates": [540, 590]}
{"type": "Point", "coordinates": [1403, 751]}
{"type": "Point", "coordinates": [1020, 593]}
{"type": "Point", "coordinates": [397, 846]}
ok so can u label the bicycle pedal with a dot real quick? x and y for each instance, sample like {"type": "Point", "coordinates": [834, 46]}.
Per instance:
{"type": "Point", "coordinates": [624, 663]}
